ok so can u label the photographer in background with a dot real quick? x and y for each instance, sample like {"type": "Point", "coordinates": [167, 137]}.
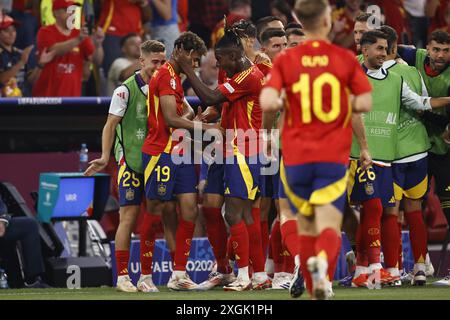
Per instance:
{"type": "Point", "coordinates": [25, 231]}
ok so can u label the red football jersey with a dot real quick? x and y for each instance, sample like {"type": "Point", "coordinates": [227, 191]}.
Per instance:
{"type": "Point", "coordinates": [242, 92]}
{"type": "Point", "coordinates": [163, 82]}
{"type": "Point", "coordinates": [61, 77]}
{"type": "Point", "coordinates": [318, 78]}
{"type": "Point", "coordinates": [118, 17]}
{"type": "Point", "coordinates": [264, 67]}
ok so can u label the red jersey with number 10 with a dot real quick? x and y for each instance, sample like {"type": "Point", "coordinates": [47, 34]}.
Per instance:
{"type": "Point", "coordinates": [318, 78]}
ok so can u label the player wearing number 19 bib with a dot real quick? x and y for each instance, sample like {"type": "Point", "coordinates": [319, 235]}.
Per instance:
{"type": "Point", "coordinates": [318, 78]}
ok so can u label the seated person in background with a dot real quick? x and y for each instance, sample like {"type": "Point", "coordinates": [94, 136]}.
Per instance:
{"type": "Point", "coordinates": [24, 230]}
{"type": "Point", "coordinates": [208, 73]}
{"type": "Point", "coordinates": [14, 66]}
{"type": "Point", "coordinates": [122, 68]}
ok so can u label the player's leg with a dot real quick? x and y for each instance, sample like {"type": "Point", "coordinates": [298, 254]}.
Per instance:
{"type": "Point", "coordinates": [128, 217]}
{"type": "Point", "coordinates": [130, 197]}
{"type": "Point", "coordinates": [185, 191]}
{"type": "Point", "coordinates": [241, 186]}
{"type": "Point", "coordinates": [234, 213]}
{"type": "Point", "coordinates": [290, 239]}
{"type": "Point", "coordinates": [438, 168]}
{"type": "Point", "coordinates": [354, 197]}
{"type": "Point", "coordinates": [415, 188]}
{"type": "Point", "coordinates": [147, 246]}
{"type": "Point", "coordinates": [212, 211]}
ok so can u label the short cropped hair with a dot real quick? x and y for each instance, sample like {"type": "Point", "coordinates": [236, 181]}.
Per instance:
{"type": "Point", "coordinates": [391, 36]}
{"type": "Point", "coordinates": [191, 41]}
{"type": "Point", "coordinates": [271, 33]}
{"type": "Point", "coordinates": [309, 10]}
{"type": "Point", "coordinates": [151, 46]}
{"type": "Point", "coordinates": [439, 36]}
{"type": "Point", "coordinates": [125, 38]}
{"type": "Point", "coordinates": [371, 37]}
{"type": "Point", "coordinates": [295, 31]}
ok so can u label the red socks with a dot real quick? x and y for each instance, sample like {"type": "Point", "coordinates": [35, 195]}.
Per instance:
{"type": "Point", "coordinates": [328, 244]}
{"type": "Point", "coordinates": [333, 263]}
{"type": "Point", "coordinates": [147, 243]}
{"type": "Point", "coordinates": [185, 232]}
{"type": "Point", "coordinates": [265, 236]}
{"type": "Point", "coordinates": [217, 236]}
{"type": "Point", "coordinates": [371, 225]}
{"type": "Point", "coordinates": [240, 244]}
{"type": "Point", "coordinates": [290, 237]}
{"type": "Point", "coordinates": [277, 248]}
{"type": "Point", "coordinates": [391, 240]}
{"type": "Point", "coordinates": [122, 258]}
{"type": "Point", "coordinates": [417, 235]}
{"type": "Point", "coordinates": [361, 255]}
{"type": "Point", "coordinates": [400, 247]}
{"type": "Point", "coordinates": [307, 250]}
{"type": "Point", "coordinates": [255, 246]}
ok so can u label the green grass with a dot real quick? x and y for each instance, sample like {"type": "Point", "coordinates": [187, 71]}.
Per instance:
{"type": "Point", "coordinates": [428, 292]}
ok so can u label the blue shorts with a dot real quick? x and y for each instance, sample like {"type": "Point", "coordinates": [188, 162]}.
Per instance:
{"type": "Point", "coordinates": [164, 179]}
{"type": "Point", "coordinates": [375, 182]}
{"type": "Point", "coordinates": [242, 177]}
{"type": "Point", "coordinates": [131, 186]}
{"type": "Point", "coordinates": [269, 185]}
{"type": "Point", "coordinates": [410, 179]}
{"type": "Point", "coordinates": [307, 185]}
{"type": "Point", "coordinates": [214, 179]}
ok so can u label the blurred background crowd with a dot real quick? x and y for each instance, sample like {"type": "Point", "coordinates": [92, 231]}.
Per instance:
{"type": "Point", "coordinates": [95, 43]}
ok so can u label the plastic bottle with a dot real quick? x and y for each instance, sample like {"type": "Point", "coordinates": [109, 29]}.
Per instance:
{"type": "Point", "coordinates": [3, 280]}
{"type": "Point", "coordinates": [84, 158]}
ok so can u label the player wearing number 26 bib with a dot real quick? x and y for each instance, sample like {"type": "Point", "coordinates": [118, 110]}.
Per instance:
{"type": "Point", "coordinates": [317, 134]}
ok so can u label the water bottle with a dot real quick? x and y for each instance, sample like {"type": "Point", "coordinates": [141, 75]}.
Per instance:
{"type": "Point", "coordinates": [3, 280]}
{"type": "Point", "coordinates": [84, 158]}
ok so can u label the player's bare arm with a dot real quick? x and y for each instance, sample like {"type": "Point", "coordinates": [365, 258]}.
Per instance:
{"type": "Point", "coordinates": [169, 109]}
{"type": "Point", "coordinates": [362, 103]}
{"type": "Point", "coordinates": [108, 135]}
{"type": "Point", "coordinates": [360, 134]}
{"type": "Point", "coordinates": [270, 100]}
{"type": "Point", "coordinates": [188, 112]}
{"type": "Point", "coordinates": [206, 95]}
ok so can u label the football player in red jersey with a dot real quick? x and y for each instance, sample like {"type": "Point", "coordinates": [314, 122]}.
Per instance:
{"type": "Point", "coordinates": [164, 179]}
{"type": "Point", "coordinates": [242, 167]}
{"type": "Point", "coordinates": [318, 78]}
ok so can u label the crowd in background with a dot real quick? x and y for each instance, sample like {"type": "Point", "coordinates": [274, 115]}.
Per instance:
{"type": "Point", "coordinates": [94, 45]}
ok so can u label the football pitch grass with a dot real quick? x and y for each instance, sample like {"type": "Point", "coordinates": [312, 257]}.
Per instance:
{"type": "Point", "coordinates": [428, 292]}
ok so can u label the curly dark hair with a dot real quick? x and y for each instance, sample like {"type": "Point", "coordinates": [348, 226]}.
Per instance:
{"type": "Point", "coordinates": [191, 41]}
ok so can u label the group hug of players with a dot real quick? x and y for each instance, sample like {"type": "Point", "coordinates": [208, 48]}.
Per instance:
{"type": "Point", "coordinates": [330, 107]}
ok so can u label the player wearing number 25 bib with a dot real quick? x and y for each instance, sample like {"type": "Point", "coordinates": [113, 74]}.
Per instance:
{"type": "Point", "coordinates": [318, 78]}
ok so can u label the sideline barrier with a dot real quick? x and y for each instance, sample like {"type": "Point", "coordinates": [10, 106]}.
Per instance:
{"type": "Point", "coordinates": [70, 101]}
{"type": "Point", "coordinates": [202, 260]}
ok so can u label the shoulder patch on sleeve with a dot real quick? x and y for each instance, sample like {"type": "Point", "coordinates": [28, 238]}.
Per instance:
{"type": "Point", "coordinates": [229, 87]}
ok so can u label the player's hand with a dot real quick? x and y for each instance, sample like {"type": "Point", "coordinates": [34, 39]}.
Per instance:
{"type": "Point", "coordinates": [261, 57]}
{"type": "Point", "coordinates": [84, 33]}
{"type": "Point", "coordinates": [98, 37]}
{"type": "Point", "coordinates": [365, 159]}
{"type": "Point", "coordinates": [199, 116]}
{"type": "Point", "coordinates": [183, 58]}
{"type": "Point", "coordinates": [338, 26]}
{"type": "Point", "coordinates": [95, 166]}
{"type": "Point", "coordinates": [2, 228]}
{"type": "Point", "coordinates": [46, 56]}
{"type": "Point", "coordinates": [26, 54]}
